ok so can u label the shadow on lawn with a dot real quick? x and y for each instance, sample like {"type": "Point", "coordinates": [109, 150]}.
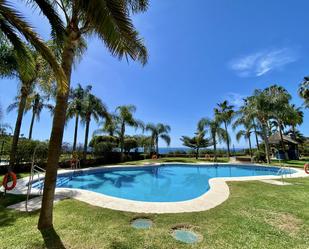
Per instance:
{"type": "Point", "coordinates": [52, 239]}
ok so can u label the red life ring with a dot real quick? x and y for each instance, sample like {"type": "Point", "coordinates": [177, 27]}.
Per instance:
{"type": "Point", "coordinates": [154, 157]}
{"type": "Point", "coordinates": [6, 178]}
{"type": "Point", "coordinates": [306, 168]}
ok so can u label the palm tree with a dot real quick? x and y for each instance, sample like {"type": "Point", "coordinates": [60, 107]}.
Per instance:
{"type": "Point", "coordinates": [216, 132]}
{"type": "Point", "coordinates": [225, 113]}
{"type": "Point", "coordinates": [13, 23]}
{"type": "Point", "coordinates": [304, 91]}
{"type": "Point", "coordinates": [246, 133]}
{"type": "Point", "coordinates": [109, 126]}
{"type": "Point", "coordinates": [75, 107]}
{"type": "Point", "coordinates": [11, 67]}
{"type": "Point", "coordinates": [261, 107]}
{"type": "Point", "coordinates": [125, 118]}
{"type": "Point", "coordinates": [159, 131]}
{"type": "Point", "coordinates": [36, 103]}
{"type": "Point", "coordinates": [92, 107]}
{"type": "Point", "coordinates": [294, 116]}
{"type": "Point", "coordinates": [246, 116]}
{"type": "Point", "coordinates": [110, 21]}
{"type": "Point", "coordinates": [279, 98]}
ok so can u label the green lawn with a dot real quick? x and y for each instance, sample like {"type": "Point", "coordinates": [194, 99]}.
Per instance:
{"type": "Point", "coordinates": [257, 215]}
{"type": "Point", "coordinates": [174, 159]}
{"type": "Point", "coordinates": [293, 163]}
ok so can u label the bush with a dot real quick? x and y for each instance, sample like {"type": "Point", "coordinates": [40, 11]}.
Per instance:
{"type": "Point", "coordinates": [259, 156]}
{"type": "Point", "coordinates": [27, 148]}
{"type": "Point", "coordinates": [102, 148]}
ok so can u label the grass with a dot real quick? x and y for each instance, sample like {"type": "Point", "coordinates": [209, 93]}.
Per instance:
{"type": "Point", "coordinates": [293, 163]}
{"type": "Point", "coordinates": [173, 159]}
{"type": "Point", "coordinates": [257, 215]}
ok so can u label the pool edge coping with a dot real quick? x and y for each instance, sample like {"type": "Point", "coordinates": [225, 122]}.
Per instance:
{"type": "Point", "coordinates": [217, 194]}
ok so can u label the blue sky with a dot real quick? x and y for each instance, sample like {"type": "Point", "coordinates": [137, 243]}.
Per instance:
{"type": "Point", "coordinates": [201, 52]}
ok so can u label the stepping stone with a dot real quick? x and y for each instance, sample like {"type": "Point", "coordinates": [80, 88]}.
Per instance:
{"type": "Point", "coordinates": [276, 182]}
{"type": "Point", "coordinates": [33, 204]}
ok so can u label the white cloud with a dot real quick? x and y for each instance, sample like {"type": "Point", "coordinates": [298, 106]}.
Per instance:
{"type": "Point", "coordinates": [236, 99]}
{"type": "Point", "coordinates": [262, 62]}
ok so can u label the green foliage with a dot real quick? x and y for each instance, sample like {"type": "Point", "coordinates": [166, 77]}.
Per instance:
{"type": "Point", "coordinates": [103, 147]}
{"type": "Point", "coordinates": [259, 156]}
{"type": "Point", "coordinates": [26, 149]}
{"type": "Point", "coordinates": [130, 143]}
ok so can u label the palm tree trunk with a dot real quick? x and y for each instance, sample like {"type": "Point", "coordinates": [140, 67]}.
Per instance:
{"type": "Point", "coordinates": [267, 152]}
{"type": "Point", "coordinates": [54, 150]}
{"type": "Point", "coordinates": [282, 142]}
{"type": "Point", "coordinates": [86, 138]}
{"type": "Point", "coordinates": [157, 146]}
{"type": "Point", "coordinates": [227, 140]}
{"type": "Point", "coordinates": [250, 148]}
{"type": "Point", "coordinates": [31, 124]}
{"type": "Point", "coordinates": [256, 136]}
{"type": "Point", "coordinates": [215, 148]}
{"type": "Point", "coordinates": [294, 134]}
{"type": "Point", "coordinates": [122, 140]}
{"type": "Point", "coordinates": [197, 152]}
{"type": "Point", "coordinates": [21, 109]}
{"type": "Point", "coordinates": [75, 132]}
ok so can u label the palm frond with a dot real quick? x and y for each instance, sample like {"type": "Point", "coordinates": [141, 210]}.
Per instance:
{"type": "Point", "coordinates": [17, 21]}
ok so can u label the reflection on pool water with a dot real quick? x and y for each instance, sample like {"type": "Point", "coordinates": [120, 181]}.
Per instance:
{"type": "Point", "coordinates": [164, 183]}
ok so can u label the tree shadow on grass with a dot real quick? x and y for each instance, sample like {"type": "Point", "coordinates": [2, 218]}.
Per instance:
{"type": "Point", "coordinates": [52, 239]}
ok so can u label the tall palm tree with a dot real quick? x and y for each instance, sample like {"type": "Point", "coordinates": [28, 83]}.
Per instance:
{"type": "Point", "coordinates": [279, 98]}
{"type": "Point", "coordinates": [125, 118]}
{"type": "Point", "coordinates": [246, 133]}
{"type": "Point", "coordinates": [36, 103]}
{"type": "Point", "coordinates": [92, 107]}
{"type": "Point", "coordinates": [294, 116]}
{"type": "Point", "coordinates": [246, 116]}
{"type": "Point", "coordinates": [77, 96]}
{"type": "Point", "coordinates": [261, 107]}
{"type": "Point", "coordinates": [11, 67]}
{"type": "Point", "coordinates": [110, 21]}
{"type": "Point", "coordinates": [304, 91]}
{"type": "Point", "coordinates": [225, 113]}
{"type": "Point", "coordinates": [216, 132]}
{"type": "Point", "coordinates": [159, 131]}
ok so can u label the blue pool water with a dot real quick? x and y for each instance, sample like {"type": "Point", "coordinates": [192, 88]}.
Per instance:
{"type": "Point", "coordinates": [167, 183]}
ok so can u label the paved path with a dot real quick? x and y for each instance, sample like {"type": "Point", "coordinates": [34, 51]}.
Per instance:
{"type": "Point", "coordinates": [33, 204]}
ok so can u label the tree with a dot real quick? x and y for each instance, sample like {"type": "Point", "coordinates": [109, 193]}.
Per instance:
{"type": "Point", "coordinates": [216, 132]}
{"type": "Point", "coordinates": [304, 91]}
{"type": "Point", "coordinates": [279, 98]}
{"type": "Point", "coordinates": [225, 113]}
{"type": "Point", "coordinates": [159, 131]}
{"type": "Point", "coordinates": [125, 118]}
{"type": "Point", "coordinates": [110, 21]}
{"type": "Point", "coordinates": [109, 126]}
{"type": "Point", "coordinates": [246, 116]}
{"type": "Point", "coordinates": [261, 108]}
{"type": "Point", "coordinates": [130, 143]}
{"type": "Point", "coordinates": [35, 103]}
{"type": "Point", "coordinates": [11, 67]}
{"type": "Point", "coordinates": [92, 107]}
{"type": "Point", "coordinates": [246, 133]}
{"type": "Point", "coordinates": [75, 107]}
{"type": "Point", "coordinates": [198, 141]}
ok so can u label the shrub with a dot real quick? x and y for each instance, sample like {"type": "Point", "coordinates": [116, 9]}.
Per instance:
{"type": "Point", "coordinates": [27, 148]}
{"type": "Point", "coordinates": [259, 156]}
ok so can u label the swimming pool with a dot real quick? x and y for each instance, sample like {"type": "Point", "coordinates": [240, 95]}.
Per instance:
{"type": "Point", "coordinates": [163, 183]}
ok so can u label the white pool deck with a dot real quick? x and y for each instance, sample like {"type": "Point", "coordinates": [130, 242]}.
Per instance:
{"type": "Point", "coordinates": [216, 195]}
